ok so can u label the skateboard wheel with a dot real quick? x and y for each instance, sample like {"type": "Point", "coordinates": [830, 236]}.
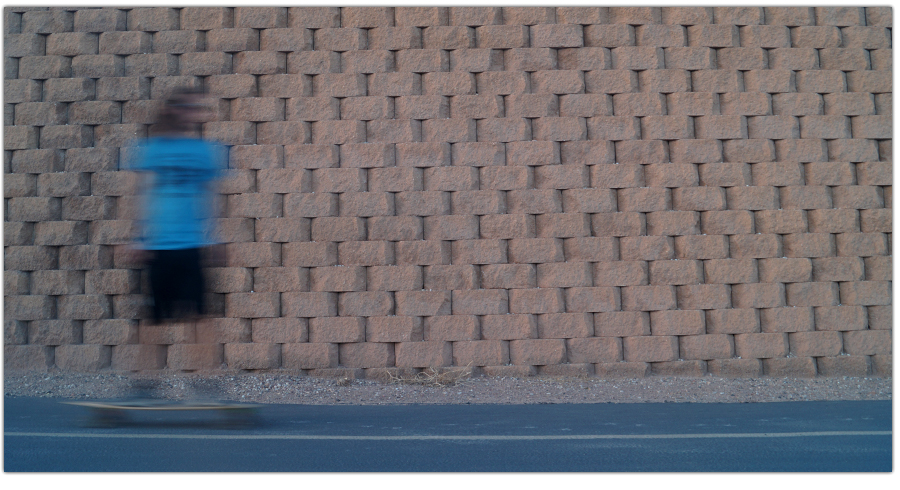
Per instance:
{"type": "Point", "coordinates": [105, 419]}
{"type": "Point", "coordinates": [241, 417]}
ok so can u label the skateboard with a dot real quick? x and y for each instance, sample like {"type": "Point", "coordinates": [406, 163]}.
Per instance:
{"type": "Point", "coordinates": [114, 413]}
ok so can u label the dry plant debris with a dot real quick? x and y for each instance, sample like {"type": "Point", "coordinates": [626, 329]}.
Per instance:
{"type": "Point", "coordinates": [434, 377]}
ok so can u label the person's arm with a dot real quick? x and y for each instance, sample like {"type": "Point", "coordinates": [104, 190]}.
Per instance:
{"type": "Point", "coordinates": [137, 251]}
{"type": "Point", "coordinates": [216, 248]}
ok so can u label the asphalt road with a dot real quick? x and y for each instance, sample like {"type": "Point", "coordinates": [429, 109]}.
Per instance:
{"type": "Point", "coordinates": [44, 435]}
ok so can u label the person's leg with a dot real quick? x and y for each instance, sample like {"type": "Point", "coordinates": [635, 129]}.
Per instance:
{"type": "Point", "coordinates": [167, 278]}
{"type": "Point", "coordinates": [194, 281]}
{"type": "Point", "coordinates": [167, 274]}
{"type": "Point", "coordinates": [158, 287]}
{"type": "Point", "coordinates": [187, 284]}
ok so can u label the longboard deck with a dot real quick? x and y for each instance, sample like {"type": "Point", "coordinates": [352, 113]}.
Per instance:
{"type": "Point", "coordinates": [164, 405]}
{"type": "Point", "coordinates": [113, 414]}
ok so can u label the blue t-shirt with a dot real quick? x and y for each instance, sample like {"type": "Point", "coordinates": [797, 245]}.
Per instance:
{"type": "Point", "coordinates": [178, 197]}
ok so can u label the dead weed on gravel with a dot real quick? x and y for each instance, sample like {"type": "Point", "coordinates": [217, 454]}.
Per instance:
{"type": "Point", "coordinates": [433, 377]}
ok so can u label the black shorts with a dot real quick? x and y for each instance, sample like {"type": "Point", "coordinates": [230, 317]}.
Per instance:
{"type": "Point", "coordinates": [176, 283]}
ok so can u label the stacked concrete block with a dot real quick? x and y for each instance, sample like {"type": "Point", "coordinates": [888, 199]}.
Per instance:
{"type": "Point", "coordinates": [617, 191]}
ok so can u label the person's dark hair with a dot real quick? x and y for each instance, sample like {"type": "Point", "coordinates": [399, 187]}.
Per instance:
{"type": "Point", "coordinates": [169, 118]}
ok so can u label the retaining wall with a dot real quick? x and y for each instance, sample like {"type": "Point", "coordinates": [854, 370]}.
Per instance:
{"type": "Point", "coordinates": [575, 191]}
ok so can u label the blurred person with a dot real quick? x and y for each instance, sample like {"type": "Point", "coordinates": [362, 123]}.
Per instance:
{"type": "Point", "coordinates": [177, 171]}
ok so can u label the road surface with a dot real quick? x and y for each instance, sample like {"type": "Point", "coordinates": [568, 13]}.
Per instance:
{"type": "Point", "coordinates": [45, 435]}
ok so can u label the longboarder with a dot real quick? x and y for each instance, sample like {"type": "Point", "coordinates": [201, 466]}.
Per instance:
{"type": "Point", "coordinates": [177, 170]}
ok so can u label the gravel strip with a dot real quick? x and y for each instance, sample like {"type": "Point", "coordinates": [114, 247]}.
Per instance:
{"type": "Point", "coordinates": [286, 388]}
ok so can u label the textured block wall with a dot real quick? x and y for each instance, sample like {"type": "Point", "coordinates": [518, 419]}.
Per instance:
{"type": "Point", "coordinates": [577, 191]}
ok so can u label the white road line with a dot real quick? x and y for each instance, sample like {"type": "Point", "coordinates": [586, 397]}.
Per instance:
{"type": "Point", "coordinates": [581, 437]}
